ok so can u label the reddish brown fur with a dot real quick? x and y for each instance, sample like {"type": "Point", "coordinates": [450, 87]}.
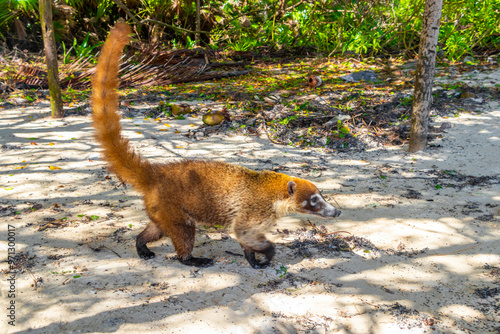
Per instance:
{"type": "Point", "coordinates": [178, 195]}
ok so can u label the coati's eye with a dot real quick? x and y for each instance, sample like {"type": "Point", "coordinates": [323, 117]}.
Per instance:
{"type": "Point", "coordinates": [314, 200]}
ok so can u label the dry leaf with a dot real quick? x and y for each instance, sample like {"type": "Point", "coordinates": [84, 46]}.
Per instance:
{"type": "Point", "coordinates": [21, 167]}
{"type": "Point", "coordinates": [54, 167]}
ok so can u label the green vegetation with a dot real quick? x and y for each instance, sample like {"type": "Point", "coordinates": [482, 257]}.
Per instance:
{"type": "Point", "coordinates": [328, 26]}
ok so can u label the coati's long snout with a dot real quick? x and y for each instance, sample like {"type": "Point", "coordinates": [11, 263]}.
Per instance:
{"type": "Point", "coordinates": [325, 209]}
{"type": "Point", "coordinates": [179, 195]}
{"type": "Point", "coordinates": [308, 199]}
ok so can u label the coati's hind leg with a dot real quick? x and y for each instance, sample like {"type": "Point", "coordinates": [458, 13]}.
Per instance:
{"type": "Point", "coordinates": [183, 235]}
{"type": "Point", "coordinates": [253, 241]}
{"type": "Point", "coordinates": [151, 233]}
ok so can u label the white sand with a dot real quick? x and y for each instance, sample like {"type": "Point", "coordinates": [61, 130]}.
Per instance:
{"type": "Point", "coordinates": [331, 293]}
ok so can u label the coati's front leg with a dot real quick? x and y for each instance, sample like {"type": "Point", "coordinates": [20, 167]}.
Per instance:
{"type": "Point", "coordinates": [267, 252]}
{"type": "Point", "coordinates": [253, 241]}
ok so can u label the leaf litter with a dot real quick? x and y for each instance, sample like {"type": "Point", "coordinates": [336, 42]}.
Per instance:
{"type": "Point", "coordinates": [338, 116]}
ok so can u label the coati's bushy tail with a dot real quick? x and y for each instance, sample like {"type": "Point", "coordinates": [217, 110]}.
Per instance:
{"type": "Point", "coordinates": [127, 164]}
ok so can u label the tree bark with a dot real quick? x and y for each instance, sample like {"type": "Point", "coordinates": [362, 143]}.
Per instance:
{"type": "Point", "coordinates": [51, 58]}
{"type": "Point", "coordinates": [424, 79]}
{"type": "Point", "coordinates": [198, 23]}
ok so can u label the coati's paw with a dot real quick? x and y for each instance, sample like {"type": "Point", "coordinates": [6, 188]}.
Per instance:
{"type": "Point", "coordinates": [199, 262]}
{"type": "Point", "coordinates": [268, 252]}
{"type": "Point", "coordinates": [255, 263]}
{"type": "Point", "coordinates": [147, 256]}
{"type": "Point", "coordinates": [145, 253]}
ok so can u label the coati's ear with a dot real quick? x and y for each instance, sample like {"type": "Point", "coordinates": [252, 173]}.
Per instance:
{"type": "Point", "coordinates": [291, 188]}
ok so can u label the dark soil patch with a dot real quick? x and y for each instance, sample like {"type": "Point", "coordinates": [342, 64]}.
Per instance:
{"type": "Point", "coordinates": [20, 262]}
{"type": "Point", "coordinates": [487, 292]}
{"type": "Point", "coordinates": [407, 318]}
{"type": "Point", "coordinates": [311, 242]}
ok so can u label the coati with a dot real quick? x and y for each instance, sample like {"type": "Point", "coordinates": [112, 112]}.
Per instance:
{"type": "Point", "coordinates": [178, 195]}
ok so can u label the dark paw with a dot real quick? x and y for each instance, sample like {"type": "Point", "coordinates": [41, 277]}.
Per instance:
{"type": "Point", "coordinates": [258, 264]}
{"type": "Point", "coordinates": [200, 262]}
{"type": "Point", "coordinates": [145, 253]}
{"type": "Point", "coordinates": [267, 252]}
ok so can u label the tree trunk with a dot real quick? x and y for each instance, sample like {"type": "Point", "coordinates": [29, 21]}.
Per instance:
{"type": "Point", "coordinates": [424, 79]}
{"type": "Point", "coordinates": [51, 58]}
{"type": "Point", "coordinates": [198, 24]}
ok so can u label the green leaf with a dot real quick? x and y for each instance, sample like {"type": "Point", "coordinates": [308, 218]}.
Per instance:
{"type": "Point", "coordinates": [281, 271]}
{"type": "Point", "coordinates": [92, 217]}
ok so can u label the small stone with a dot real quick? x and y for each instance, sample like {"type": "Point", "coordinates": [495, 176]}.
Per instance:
{"type": "Point", "coordinates": [468, 59]}
{"type": "Point", "coordinates": [251, 121]}
{"type": "Point", "coordinates": [18, 100]}
{"type": "Point", "coordinates": [491, 60]}
{"type": "Point", "coordinates": [361, 75]}
{"type": "Point", "coordinates": [445, 126]}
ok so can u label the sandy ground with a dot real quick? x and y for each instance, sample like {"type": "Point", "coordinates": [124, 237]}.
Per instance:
{"type": "Point", "coordinates": [425, 250]}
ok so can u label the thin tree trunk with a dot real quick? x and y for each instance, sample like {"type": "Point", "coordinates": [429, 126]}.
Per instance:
{"type": "Point", "coordinates": [198, 23]}
{"type": "Point", "coordinates": [424, 80]}
{"type": "Point", "coordinates": [51, 58]}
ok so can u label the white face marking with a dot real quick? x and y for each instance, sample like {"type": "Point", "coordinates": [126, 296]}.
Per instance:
{"type": "Point", "coordinates": [304, 204]}
{"type": "Point", "coordinates": [314, 200]}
